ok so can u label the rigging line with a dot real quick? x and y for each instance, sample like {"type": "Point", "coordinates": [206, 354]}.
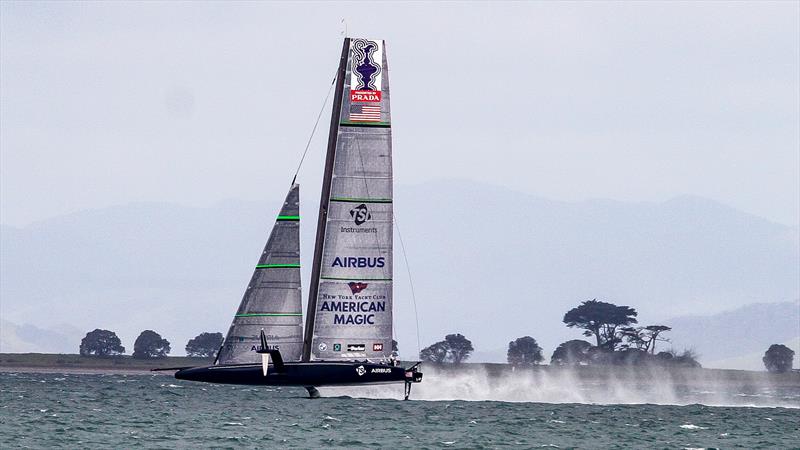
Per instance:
{"type": "Point", "coordinates": [313, 130]}
{"type": "Point", "coordinates": [410, 280]}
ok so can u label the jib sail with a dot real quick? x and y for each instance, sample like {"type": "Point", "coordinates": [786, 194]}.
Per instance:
{"type": "Point", "coordinates": [272, 300]}
{"type": "Point", "coordinates": [350, 302]}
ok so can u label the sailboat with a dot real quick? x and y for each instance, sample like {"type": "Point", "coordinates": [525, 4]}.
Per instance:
{"type": "Point", "coordinates": [347, 339]}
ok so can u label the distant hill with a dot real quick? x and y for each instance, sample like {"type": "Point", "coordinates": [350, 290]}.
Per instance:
{"type": "Point", "coordinates": [488, 262]}
{"type": "Point", "coordinates": [741, 336]}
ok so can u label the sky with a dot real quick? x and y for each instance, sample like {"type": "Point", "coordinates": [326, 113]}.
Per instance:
{"type": "Point", "coordinates": [193, 103]}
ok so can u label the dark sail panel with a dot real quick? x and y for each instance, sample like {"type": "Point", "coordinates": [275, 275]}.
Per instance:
{"type": "Point", "coordinates": [272, 301]}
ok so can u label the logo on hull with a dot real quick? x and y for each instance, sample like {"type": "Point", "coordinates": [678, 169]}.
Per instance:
{"type": "Point", "coordinates": [360, 370]}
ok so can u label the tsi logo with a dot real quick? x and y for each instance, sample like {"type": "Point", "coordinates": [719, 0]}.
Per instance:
{"type": "Point", "coordinates": [360, 370]}
{"type": "Point", "coordinates": [360, 214]}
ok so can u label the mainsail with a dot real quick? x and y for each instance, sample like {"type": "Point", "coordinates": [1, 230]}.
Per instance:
{"type": "Point", "coordinates": [272, 300]}
{"type": "Point", "coordinates": [350, 301]}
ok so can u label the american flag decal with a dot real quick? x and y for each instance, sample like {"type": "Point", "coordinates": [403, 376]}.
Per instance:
{"type": "Point", "coordinates": [365, 113]}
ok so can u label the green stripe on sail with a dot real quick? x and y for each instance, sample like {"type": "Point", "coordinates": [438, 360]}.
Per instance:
{"type": "Point", "coordinates": [278, 266]}
{"type": "Point", "coordinates": [355, 279]}
{"type": "Point", "coordinates": [269, 314]}
{"type": "Point", "coordinates": [366, 124]}
{"type": "Point", "coordinates": [293, 218]}
{"type": "Point", "coordinates": [361, 200]}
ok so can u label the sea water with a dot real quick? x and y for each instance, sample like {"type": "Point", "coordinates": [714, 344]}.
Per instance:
{"type": "Point", "coordinates": [43, 410]}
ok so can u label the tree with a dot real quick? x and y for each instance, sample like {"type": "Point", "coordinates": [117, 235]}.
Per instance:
{"type": "Point", "coordinates": [436, 352]}
{"type": "Point", "coordinates": [459, 348]}
{"type": "Point", "coordinates": [571, 352]}
{"type": "Point", "coordinates": [601, 320]}
{"type": "Point", "coordinates": [150, 344]}
{"type": "Point", "coordinates": [778, 358]}
{"type": "Point", "coordinates": [101, 343]}
{"type": "Point", "coordinates": [643, 338]}
{"type": "Point", "coordinates": [524, 351]}
{"type": "Point", "coordinates": [454, 348]}
{"type": "Point", "coordinates": [204, 345]}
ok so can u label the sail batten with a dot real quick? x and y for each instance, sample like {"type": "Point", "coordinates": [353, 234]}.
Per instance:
{"type": "Point", "coordinates": [350, 301]}
{"type": "Point", "coordinates": [272, 300]}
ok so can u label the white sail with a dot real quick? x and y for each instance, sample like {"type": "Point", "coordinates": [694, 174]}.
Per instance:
{"type": "Point", "coordinates": [353, 307]}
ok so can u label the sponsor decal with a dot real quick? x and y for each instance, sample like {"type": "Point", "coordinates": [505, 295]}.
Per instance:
{"type": "Point", "coordinates": [360, 214]}
{"type": "Point", "coordinates": [356, 287]}
{"type": "Point", "coordinates": [377, 347]}
{"type": "Point", "coordinates": [337, 347]}
{"type": "Point", "coordinates": [365, 96]}
{"type": "Point", "coordinates": [323, 346]}
{"type": "Point", "coordinates": [380, 370]}
{"type": "Point", "coordinates": [356, 347]}
{"type": "Point", "coordinates": [358, 230]}
{"type": "Point", "coordinates": [358, 307]}
{"type": "Point", "coordinates": [358, 261]}
{"type": "Point", "coordinates": [256, 348]}
{"type": "Point", "coordinates": [365, 71]}
{"type": "Point", "coordinates": [360, 370]}
{"type": "Point", "coordinates": [355, 309]}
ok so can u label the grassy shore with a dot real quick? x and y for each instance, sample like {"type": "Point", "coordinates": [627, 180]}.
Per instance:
{"type": "Point", "coordinates": [47, 362]}
{"type": "Point", "coordinates": [72, 362]}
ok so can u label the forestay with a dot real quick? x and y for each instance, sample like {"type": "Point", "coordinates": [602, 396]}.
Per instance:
{"type": "Point", "coordinates": [272, 301]}
{"type": "Point", "coordinates": [353, 311]}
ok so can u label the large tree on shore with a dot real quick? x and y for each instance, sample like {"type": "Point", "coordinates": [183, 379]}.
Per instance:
{"type": "Point", "coordinates": [101, 343]}
{"type": "Point", "coordinates": [436, 352]}
{"type": "Point", "coordinates": [204, 345]}
{"type": "Point", "coordinates": [572, 352]}
{"type": "Point", "coordinates": [454, 348]}
{"type": "Point", "coordinates": [524, 351]}
{"type": "Point", "coordinates": [150, 344]}
{"type": "Point", "coordinates": [459, 347]}
{"type": "Point", "coordinates": [778, 358]}
{"type": "Point", "coordinates": [601, 320]}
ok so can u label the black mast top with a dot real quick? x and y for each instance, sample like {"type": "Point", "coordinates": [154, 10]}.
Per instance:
{"type": "Point", "coordinates": [323, 203]}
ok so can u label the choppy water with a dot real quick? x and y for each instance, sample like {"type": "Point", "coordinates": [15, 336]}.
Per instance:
{"type": "Point", "coordinates": [41, 410]}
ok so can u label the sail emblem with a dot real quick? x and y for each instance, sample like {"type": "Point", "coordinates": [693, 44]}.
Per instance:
{"type": "Point", "coordinates": [357, 287]}
{"type": "Point", "coordinates": [360, 214]}
{"type": "Point", "coordinates": [364, 64]}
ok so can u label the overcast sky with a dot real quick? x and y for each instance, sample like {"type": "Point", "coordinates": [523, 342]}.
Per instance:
{"type": "Point", "coordinates": [108, 103]}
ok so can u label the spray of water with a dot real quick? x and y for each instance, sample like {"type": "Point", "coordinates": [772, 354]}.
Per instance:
{"type": "Point", "coordinates": [609, 385]}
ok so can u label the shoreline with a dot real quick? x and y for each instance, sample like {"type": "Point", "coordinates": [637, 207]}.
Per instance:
{"type": "Point", "coordinates": [74, 363]}
{"type": "Point", "coordinates": [125, 364]}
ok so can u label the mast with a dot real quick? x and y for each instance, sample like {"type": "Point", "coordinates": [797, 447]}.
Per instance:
{"type": "Point", "coordinates": [323, 202]}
